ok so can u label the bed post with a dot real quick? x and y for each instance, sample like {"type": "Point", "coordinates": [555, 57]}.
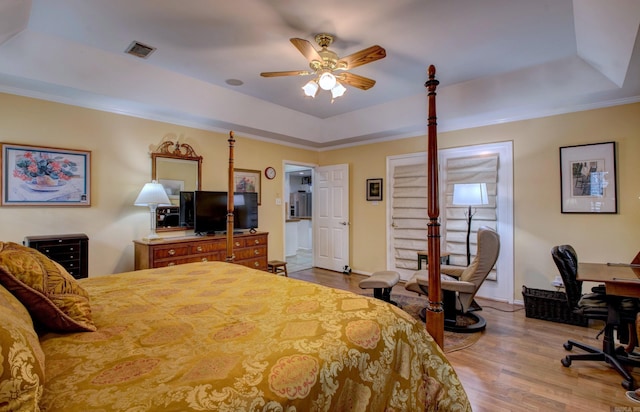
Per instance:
{"type": "Point", "coordinates": [230, 187]}
{"type": "Point", "coordinates": [435, 313]}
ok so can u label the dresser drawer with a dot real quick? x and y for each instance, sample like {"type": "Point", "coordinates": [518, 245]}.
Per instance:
{"type": "Point", "coordinates": [250, 252]}
{"type": "Point", "coordinates": [256, 263]}
{"type": "Point", "coordinates": [170, 251]}
{"type": "Point", "coordinates": [212, 257]}
{"type": "Point", "coordinates": [207, 247]}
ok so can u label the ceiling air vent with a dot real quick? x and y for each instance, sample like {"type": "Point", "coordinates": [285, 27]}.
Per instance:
{"type": "Point", "coordinates": [139, 50]}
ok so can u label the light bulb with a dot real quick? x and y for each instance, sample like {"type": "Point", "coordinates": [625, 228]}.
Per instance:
{"type": "Point", "coordinates": [327, 81]}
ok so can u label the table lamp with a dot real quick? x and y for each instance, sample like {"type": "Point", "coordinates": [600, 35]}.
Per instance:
{"type": "Point", "coordinates": [469, 194]}
{"type": "Point", "coordinates": [152, 195]}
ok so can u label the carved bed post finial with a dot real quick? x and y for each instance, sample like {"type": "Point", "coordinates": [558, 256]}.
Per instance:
{"type": "Point", "coordinates": [230, 186]}
{"type": "Point", "coordinates": [435, 311]}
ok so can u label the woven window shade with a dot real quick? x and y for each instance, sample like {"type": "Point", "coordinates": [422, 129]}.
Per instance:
{"type": "Point", "coordinates": [473, 169]}
{"type": "Point", "coordinates": [409, 214]}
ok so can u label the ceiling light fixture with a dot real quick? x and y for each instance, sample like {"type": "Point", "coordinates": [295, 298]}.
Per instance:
{"type": "Point", "coordinates": [325, 81]}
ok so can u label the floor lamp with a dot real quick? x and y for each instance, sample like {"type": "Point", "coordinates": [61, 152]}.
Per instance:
{"type": "Point", "coordinates": [152, 195]}
{"type": "Point", "coordinates": [469, 194]}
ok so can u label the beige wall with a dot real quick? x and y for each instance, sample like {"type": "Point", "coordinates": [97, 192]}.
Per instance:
{"type": "Point", "coordinates": [538, 222]}
{"type": "Point", "coordinates": [120, 148]}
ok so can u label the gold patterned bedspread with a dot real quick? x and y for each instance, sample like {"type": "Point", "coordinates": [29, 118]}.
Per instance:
{"type": "Point", "coordinates": [223, 337]}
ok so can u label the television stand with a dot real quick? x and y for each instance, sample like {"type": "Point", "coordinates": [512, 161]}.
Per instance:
{"type": "Point", "coordinates": [250, 249]}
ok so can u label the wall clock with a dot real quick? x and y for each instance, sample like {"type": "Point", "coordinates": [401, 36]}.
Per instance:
{"type": "Point", "coordinates": [270, 172]}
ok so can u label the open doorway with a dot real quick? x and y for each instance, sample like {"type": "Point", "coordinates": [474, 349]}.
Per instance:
{"type": "Point", "coordinates": [299, 216]}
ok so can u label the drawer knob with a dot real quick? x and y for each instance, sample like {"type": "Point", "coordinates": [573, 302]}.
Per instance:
{"type": "Point", "coordinates": [256, 252]}
{"type": "Point", "coordinates": [171, 264]}
{"type": "Point", "coordinates": [205, 259]}
{"type": "Point", "coordinates": [256, 264]}
{"type": "Point", "coordinates": [71, 248]}
{"type": "Point", "coordinates": [238, 244]}
{"type": "Point", "coordinates": [199, 248]}
{"type": "Point", "coordinates": [257, 241]}
{"type": "Point", "coordinates": [172, 252]}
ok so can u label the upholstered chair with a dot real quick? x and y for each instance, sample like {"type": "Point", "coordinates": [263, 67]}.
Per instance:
{"type": "Point", "coordinates": [460, 284]}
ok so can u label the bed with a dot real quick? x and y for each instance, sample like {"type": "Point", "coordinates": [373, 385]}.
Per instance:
{"type": "Point", "coordinates": [219, 336]}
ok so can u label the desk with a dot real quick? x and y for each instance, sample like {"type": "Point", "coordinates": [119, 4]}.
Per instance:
{"type": "Point", "coordinates": [423, 255]}
{"type": "Point", "coordinates": [619, 280]}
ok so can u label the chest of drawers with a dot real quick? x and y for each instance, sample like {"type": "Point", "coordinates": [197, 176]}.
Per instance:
{"type": "Point", "coordinates": [249, 250]}
{"type": "Point", "coordinates": [71, 251]}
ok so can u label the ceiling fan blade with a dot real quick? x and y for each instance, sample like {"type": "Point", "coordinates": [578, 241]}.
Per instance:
{"type": "Point", "coordinates": [287, 73]}
{"type": "Point", "coordinates": [365, 56]}
{"type": "Point", "coordinates": [306, 48]}
{"type": "Point", "coordinates": [355, 80]}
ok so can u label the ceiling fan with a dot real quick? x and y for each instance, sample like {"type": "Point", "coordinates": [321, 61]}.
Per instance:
{"type": "Point", "coordinates": [324, 63]}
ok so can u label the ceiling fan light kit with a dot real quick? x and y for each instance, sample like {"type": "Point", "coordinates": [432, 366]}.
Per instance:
{"type": "Point", "coordinates": [325, 62]}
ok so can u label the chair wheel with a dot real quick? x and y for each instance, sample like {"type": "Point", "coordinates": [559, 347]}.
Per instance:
{"type": "Point", "coordinates": [566, 361]}
{"type": "Point", "coordinates": [627, 385]}
{"type": "Point", "coordinates": [567, 346]}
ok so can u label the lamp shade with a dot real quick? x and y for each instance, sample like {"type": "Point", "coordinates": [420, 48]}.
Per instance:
{"type": "Point", "coordinates": [338, 90]}
{"type": "Point", "coordinates": [469, 194]}
{"type": "Point", "coordinates": [311, 88]}
{"type": "Point", "coordinates": [152, 194]}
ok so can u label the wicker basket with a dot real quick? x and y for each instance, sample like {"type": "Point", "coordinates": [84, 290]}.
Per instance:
{"type": "Point", "coordinates": [550, 305]}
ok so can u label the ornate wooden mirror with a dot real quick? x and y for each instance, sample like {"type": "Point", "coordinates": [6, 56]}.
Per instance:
{"type": "Point", "coordinates": [178, 168]}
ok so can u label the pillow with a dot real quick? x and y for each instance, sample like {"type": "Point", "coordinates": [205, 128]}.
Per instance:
{"type": "Point", "coordinates": [21, 357]}
{"type": "Point", "coordinates": [53, 297]}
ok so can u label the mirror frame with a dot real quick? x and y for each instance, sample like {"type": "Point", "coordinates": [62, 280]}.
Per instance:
{"type": "Point", "coordinates": [177, 150]}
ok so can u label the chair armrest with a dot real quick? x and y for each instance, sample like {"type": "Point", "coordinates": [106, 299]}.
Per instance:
{"type": "Point", "coordinates": [455, 271]}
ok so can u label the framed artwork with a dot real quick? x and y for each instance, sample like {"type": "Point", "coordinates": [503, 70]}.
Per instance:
{"type": "Point", "coordinates": [45, 176]}
{"type": "Point", "coordinates": [374, 189]}
{"type": "Point", "coordinates": [588, 178]}
{"type": "Point", "coordinates": [245, 180]}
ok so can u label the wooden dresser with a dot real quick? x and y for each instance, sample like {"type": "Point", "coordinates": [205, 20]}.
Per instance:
{"type": "Point", "coordinates": [71, 251]}
{"type": "Point", "coordinates": [250, 250]}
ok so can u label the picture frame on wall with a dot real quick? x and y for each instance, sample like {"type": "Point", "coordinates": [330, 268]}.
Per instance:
{"type": "Point", "coordinates": [374, 189]}
{"type": "Point", "coordinates": [588, 178]}
{"type": "Point", "coordinates": [45, 176]}
{"type": "Point", "coordinates": [246, 180]}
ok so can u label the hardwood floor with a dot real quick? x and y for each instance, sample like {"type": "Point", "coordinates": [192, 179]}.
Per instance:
{"type": "Point", "coordinates": [515, 366]}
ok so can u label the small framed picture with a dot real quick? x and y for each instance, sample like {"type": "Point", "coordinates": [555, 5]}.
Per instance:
{"type": "Point", "coordinates": [374, 189]}
{"type": "Point", "coordinates": [245, 180]}
{"type": "Point", "coordinates": [45, 176]}
{"type": "Point", "coordinates": [588, 178]}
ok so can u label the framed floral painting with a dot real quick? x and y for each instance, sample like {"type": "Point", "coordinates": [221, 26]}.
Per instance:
{"type": "Point", "coordinates": [245, 180]}
{"type": "Point", "coordinates": [45, 176]}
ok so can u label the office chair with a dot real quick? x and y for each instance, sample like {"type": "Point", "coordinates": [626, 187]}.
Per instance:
{"type": "Point", "coordinates": [617, 313]}
{"type": "Point", "coordinates": [460, 284]}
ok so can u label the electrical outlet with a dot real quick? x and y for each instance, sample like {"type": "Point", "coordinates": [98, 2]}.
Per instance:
{"type": "Point", "coordinates": [278, 201]}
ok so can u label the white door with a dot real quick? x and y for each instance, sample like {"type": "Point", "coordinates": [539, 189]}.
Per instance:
{"type": "Point", "coordinates": [331, 217]}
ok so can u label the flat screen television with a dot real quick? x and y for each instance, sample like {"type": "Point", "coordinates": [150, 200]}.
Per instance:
{"type": "Point", "coordinates": [211, 212]}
